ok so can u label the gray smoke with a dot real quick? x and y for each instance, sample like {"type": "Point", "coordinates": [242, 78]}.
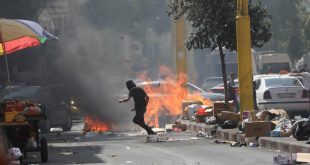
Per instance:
{"type": "Point", "coordinates": [96, 62]}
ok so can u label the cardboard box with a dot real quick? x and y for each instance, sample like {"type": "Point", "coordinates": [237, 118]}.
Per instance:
{"type": "Point", "coordinates": [218, 107]}
{"type": "Point", "coordinates": [303, 157]}
{"type": "Point", "coordinates": [209, 112]}
{"type": "Point", "coordinates": [257, 129]}
{"type": "Point", "coordinates": [227, 115]}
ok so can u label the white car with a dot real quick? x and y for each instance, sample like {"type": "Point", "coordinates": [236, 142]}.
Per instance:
{"type": "Point", "coordinates": [191, 89]}
{"type": "Point", "coordinates": [281, 92]}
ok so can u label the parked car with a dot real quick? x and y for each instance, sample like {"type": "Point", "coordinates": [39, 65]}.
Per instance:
{"type": "Point", "coordinates": [56, 106]}
{"type": "Point", "coordinates": [191, 88]}
{"type": "Point", "coordinates": [210, 82]}
{"type": "Point", "coordinates": [220, 88]}
{"type": "Point", "coordinates": [281, 92]}
{"type": "Point", "coordinates": [207, 95]}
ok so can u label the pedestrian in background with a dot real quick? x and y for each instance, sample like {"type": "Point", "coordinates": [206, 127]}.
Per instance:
{"type": "Point", "coordinates": [141, 100]}
{"type": "Point", "coordinates": [254, 96]}
{"type": "Point", "coordinates": [232, 93]}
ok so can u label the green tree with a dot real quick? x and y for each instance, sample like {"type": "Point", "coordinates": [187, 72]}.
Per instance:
{"type": "Point", "coordinates": [287, 27]}
{"type": "Point", "coordinates": [214, 25]}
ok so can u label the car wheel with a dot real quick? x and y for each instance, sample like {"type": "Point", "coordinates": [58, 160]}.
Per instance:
{"type": "Point", "coordinates": [68, 123]}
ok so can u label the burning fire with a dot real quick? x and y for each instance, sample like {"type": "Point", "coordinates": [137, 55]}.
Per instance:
{"type": "Point", "coordinates": [92, 124]}
{"type": "Point", "coordinates": [167, 97]}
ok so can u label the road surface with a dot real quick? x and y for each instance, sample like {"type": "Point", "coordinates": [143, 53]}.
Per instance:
{"type": "Point", "coordinates": [123, 148]}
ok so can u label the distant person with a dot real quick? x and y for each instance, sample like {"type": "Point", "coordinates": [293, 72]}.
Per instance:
{"type": "Point", "coordinates": [232, 92]}
{"type": "Point", "coordinates": [254, 96]}
{"type": "Point", "coordinates": [141, 100]}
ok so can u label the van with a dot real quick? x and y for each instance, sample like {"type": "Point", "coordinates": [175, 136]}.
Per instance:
{"type": "Point", "coordinates": [274, 63]}
{"type": "Point", "coordinates": [231, 61]}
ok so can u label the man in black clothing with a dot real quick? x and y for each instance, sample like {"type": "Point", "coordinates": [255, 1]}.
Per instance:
{"type": "Point", "coordinates": [141, 100]}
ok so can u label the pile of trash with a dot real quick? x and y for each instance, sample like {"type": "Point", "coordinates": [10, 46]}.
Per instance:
{"type": "Point", "coordinates": [272, 122]}
{"type": "Point", "coordinates": [211, 115]}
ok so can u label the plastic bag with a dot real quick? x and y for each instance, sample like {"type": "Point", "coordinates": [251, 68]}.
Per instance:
{"type": "Point", "coordinates": [15, 153]}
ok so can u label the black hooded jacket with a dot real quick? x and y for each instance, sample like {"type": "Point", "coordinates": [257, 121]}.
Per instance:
{"type": "Point", "coordinates": [138, 95]}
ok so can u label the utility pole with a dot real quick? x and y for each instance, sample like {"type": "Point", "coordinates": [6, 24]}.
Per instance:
{"type": "Point", "coordinates": [180, 31]}
{"type": "Point", "coordinates": [244, 57]}
{"type": "Point", "coordinates": [179, 28]}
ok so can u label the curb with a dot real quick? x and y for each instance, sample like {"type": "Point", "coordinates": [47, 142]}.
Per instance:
{"type": "Point", "coordinates": [285, 144]}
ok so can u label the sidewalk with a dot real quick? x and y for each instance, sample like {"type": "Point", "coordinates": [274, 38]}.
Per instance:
{"type": "Point", "coordinates": [286, 144]}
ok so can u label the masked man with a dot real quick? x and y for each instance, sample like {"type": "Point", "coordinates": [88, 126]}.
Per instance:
{"type": "Point", "coordinates": [141, 100]}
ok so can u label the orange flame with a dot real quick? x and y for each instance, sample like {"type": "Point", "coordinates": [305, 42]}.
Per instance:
{"type": "Point", "coordinates": [167, 98]}
{"type": "Point", "coordinates": [92, 124]}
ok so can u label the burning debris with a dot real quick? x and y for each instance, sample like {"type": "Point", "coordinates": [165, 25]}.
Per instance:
{"type": "Point", "coordinates": [167, 96]}
{"type": "Point", "coordinates": [94, 125]}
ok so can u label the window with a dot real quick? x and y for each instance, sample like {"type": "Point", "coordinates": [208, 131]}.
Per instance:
{"type": "Point", "coordinates": [271, 82]}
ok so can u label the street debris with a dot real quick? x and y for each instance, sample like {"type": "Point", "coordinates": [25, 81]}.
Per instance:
{"type": "Point", "coordinates": [303, 157]}
{"type": "Point", "coordinates": [301, 129]}
{"type": "Point", "coordinates": [113, 155]}
{"type": "Point", "coordinates": [15, 153]}
{"type": "Point", "coordinates": [237, 144]}
{"type": "Point", "coordinates": [282, 159]}
{"type": "Point", "coordinates": [67, 153]}
{"type": "Point", "coordinates": [217, 141]}
{"type": "Point", "coordinates": [210, 120]}
{"type": "Point", "coordinates": [78, 139]}
{"type": "Point", "coordinates": [194, 138]}
{"type": "Point", "coordinates": [160, 137]}
{"type": "Point", "coordinates": [253, 145]}
{"type": "Point", "coordinates": [92, 134]}
{"type": "Point", "coordinates": [201, 134]}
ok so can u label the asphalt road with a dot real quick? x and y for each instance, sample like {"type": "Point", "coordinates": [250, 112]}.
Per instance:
{"type": "Point", "coordinates": [125, 148]}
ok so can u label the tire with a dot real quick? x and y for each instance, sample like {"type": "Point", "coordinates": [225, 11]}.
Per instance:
{"type": "Point", "coordinates": [44, 150]}
{"type": "Point", "coordinates": [68, 123]}
{"type": "Point", "coordinates": [44, 126]}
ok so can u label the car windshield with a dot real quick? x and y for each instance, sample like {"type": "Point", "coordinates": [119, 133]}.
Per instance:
{"type": "Point", "coordinates": [271, 82]}
{"type": "Point", "coordinates": [275, 67]}
{"type": "Point", "coordinates": [194, 89]}
{"type": "Point", "coordinates": [211, 82]}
